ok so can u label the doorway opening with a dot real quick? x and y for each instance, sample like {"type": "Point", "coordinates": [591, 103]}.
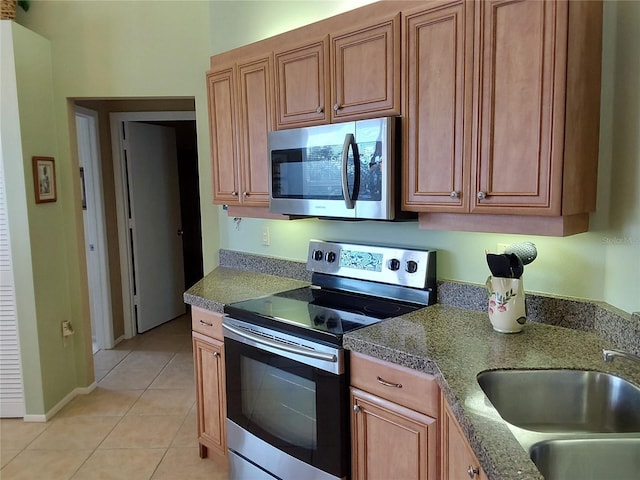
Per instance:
{"type": "Point", "coordinates": [158, 210]}
{"type": "Point", "coordinates": [118, 320]}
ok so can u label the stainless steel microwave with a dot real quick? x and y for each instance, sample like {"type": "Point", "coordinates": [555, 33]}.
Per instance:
{"type": "Point", "coordinates": [344, 170]}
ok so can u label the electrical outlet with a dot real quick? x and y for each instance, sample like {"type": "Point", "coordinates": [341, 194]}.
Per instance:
{"type": "Point", "coordinates": [501, 247]}
{"type": "Point", "coordinates": [266, 237]}
{"type": "Point", "coordinates": [67, 329]}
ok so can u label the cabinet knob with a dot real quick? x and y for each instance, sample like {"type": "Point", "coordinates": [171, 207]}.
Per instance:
{"type": "Point", "coordinates": [234, 194]}
{"type": "Point", "coordinates": [319, 110]}
{"type": "Point", "coordinates": [336, 107]}
{"type": "Point", "coordinates": [217, 354]}
{"type": "Point", "coordinates": [454, 194]}
{"type": "Point", "coordinates": [356, 408]}
{"type": "Point", "coordinates": [473, 471]}
{"type": "Point", "coordinates": [481, 195]}
{"type": "Point", "coordinates": [245, 194]}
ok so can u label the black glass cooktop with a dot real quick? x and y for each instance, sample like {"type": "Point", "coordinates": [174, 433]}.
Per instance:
{"type": "Point", "coordinates": [317, 313]}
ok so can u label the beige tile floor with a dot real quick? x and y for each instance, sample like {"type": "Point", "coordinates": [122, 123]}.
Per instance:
{"type": "Point", "coordinates": [138, 424]}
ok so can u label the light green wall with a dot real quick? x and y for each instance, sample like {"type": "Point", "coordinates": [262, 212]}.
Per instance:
{"type": "Point", "coordinates": [156, 50]}
{"type": "Point", "coordinates": [43, 291]}
{"type": "Point", "coordinates": [132, 49]}
{"type": "Point", "coordinates": [602, 264]}
{"type": "Point", "coordinates": [622, 287]}
{"type": "Point", "coordinates": [239, 22]}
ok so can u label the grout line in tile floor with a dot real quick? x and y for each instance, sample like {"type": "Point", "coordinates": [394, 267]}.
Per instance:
{"type": "Point", "coordinates": [138, 424]}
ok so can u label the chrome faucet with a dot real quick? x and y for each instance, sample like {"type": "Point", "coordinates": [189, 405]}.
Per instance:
{"type": "Point", "coordinates": [609, 355]}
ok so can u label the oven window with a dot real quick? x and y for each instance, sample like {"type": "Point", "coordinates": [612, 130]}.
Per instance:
{"type": "Point", "coordinates": [281, 402]}
{"type": "Point", "coordinates": [301, 410]}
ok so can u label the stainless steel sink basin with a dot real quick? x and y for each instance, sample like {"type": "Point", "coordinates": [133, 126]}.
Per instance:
{"type": "Point", "coordinates": [568, 401]}
{"type": "Point", "coordinates": [592, 458]}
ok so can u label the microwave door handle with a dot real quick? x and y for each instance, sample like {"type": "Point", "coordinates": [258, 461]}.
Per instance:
{"type": "Point", "coordinates": [348, 141]}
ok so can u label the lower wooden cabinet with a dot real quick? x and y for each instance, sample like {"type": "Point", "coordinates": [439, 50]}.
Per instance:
{"type": "Point", "coordinates": [457, 459]}
{"type": "Point", "coordinates": [388, 438]}
{"type": "Point", "coordinates": [391, 441]}
{"type": "Point", "coordinates": [208, 355]}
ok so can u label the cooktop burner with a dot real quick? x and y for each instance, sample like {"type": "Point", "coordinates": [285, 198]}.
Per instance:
{"type": "Point", "coordinates": [318, 313]}
{"type": "Point", "coordinates": [353, 286]}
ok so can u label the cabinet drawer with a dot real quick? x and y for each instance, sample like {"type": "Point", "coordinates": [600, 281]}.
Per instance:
{"type": "Point", "coordinates": [206, 322]}
{"type": "Point", "coordinates": [410, 388]}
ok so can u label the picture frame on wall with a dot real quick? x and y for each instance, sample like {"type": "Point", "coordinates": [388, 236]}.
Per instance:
{"type": "Point", "coordinates": [44, 179]}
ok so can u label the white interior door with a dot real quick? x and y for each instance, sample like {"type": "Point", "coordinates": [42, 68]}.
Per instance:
{"type": "Point", "coordinates": [94, 229]}
{"type": "Point", "coordinates": [155, 226]}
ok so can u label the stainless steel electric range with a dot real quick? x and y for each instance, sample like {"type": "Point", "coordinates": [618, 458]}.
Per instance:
{"type": "Point", "coordinates": [286, 371]}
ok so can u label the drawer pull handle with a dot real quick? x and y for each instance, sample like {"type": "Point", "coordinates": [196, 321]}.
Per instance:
{"type": "Point", "coordinates": [473, 471]}
{"type": "Point", "coordinates": [388, 384]}
{"type": "Point", "coordinates": [202, 322]}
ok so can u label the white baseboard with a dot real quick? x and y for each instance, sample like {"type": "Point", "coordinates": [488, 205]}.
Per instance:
{"type": "Point", "coordinates": [49, 415]}
{"type": "Point", "coordinates": [118, 340]}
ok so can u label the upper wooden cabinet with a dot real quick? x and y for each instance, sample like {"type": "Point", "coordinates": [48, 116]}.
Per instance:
{"type": "Point", "coordinates": [365, 71]}
{"type": "Point", "coordinates": [302, 85]}
{"type": "Point", "coordinates": [349, 75]}
{"type": "Point", "coordinates": [519, 134]}
{"type": "Point", "coordinates": [240, 115]}
{"type": "Point", "coordinates": [438, 61]}
{"type": "Point", "coordinates": [500, 106]}
{"type": "Point", "coordinates": [521, 89]}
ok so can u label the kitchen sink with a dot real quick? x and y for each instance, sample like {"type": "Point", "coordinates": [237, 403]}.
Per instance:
{"type": "Point", "coordinates": [588, 458]}
{"type": "Point", "coordinates": [564, 401]}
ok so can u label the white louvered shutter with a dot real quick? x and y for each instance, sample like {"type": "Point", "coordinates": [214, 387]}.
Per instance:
{"type": "Point", "coordinates": [11, 390]}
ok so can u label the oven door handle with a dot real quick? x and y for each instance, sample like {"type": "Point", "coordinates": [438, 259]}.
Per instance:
{"type": "Point", "coordinates": [300, 350]}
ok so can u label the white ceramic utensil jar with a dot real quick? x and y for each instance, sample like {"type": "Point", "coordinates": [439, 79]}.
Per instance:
{"type": "Point", "coordinates": [506, 304]}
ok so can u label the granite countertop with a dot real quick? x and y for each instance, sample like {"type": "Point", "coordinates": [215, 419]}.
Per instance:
{"type": "Point", "coordinates": [452, 343]}
{"type": "Point", "coordinates": [456, 344]}
{"type": "Point", "coordinates": [227, 285]}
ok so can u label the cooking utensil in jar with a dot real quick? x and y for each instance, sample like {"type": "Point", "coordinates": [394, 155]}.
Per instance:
{"type": "Point", "coordinates": [516, 266]}
{"type": "Point", "coordinates": [499, 264]}
{"type": "Point", "coordinates": [526, 251]}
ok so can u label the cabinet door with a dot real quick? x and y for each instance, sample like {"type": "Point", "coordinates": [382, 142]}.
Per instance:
{"type": "Point", "coordinates": [457, 458]}
{"type": "Point", "coordinates": [302, 85]}
{"type": "Point", "coordinates": [221, 93]}
{"type": "Point", "coordinates": [522, 64]}
{"type": "Point", "coordinates": [365, 71]}
{"type": "Point", "coordinates": [256, 119]}
{"type": "Point", "coordinates": [210, 394]}
{"type": "Point", "coordinates": [390, 441]}
{"type": "Point", "coordinates": [438, 68]}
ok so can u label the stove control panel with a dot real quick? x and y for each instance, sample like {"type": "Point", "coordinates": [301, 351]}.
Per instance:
{"type": "Point", "coordinates": [396, 266]}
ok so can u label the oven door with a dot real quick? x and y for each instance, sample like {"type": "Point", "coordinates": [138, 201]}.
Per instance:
{"type": "Point", "coordinates": [287, 417]}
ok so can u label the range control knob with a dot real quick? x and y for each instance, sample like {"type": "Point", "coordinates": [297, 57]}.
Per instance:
{"type": "Point", "coordinates": [394, 264]}
{"type": "Point", "coordinates": [412, 266]}
{"type": "Point", "coordinates": [331, 257]}
{"type": "Point", "coordinates": [318, 255]}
